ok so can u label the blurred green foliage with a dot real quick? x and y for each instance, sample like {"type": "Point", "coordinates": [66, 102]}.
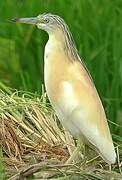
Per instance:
{"type": "Point", "coordinates": [97, 30]}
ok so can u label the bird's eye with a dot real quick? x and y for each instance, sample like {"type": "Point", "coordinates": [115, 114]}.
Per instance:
{"type": "Point", "coordinates": [46, 20]}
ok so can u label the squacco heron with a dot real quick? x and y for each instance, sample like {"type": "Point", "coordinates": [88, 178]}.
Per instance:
{"type": "Point", "coordinates": [70, 87]}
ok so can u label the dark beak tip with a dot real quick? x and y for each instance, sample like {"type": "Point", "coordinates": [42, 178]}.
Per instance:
{"type": "Point", "coordinates": [30, 20]}
{"type": "Point", "coordinates": [14, 20]}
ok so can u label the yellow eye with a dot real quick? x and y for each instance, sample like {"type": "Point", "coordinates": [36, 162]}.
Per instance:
{"type": "Point", "coordinates": [46, 20]}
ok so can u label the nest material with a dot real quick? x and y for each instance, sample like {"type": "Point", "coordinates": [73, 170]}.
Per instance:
{"type": "Point", "coordinates": [32, 140]}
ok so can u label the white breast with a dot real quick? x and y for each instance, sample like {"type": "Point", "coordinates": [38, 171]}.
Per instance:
{"type": "Point", "coordinates": [48, 50]}
{"type": "Point", "coordinates": [68, 101]}
{"type": "Point", "coordinates": [47, 53]}
{"type": "Point", "coordinates": [65, 108]}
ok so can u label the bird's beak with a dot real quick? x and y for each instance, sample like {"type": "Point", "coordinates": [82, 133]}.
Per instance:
{"type": "Point", "coordinates": [31, 20]}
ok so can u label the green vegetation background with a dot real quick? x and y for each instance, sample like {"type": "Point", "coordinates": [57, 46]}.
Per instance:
{"type": "Point", "coordinates": [96, 26]}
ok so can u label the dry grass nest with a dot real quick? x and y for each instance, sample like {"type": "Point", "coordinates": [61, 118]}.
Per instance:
{"type": "Point", "coordinates": [35, 145]}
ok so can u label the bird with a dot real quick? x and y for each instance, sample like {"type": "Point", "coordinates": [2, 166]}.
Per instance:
{"type": "Point", "coordinates": [70, 87]}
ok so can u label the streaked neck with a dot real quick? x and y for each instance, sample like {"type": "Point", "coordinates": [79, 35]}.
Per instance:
{"type": "Point", "coordinates": [62, 38]}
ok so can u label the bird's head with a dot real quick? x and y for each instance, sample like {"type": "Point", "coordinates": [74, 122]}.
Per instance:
{"type": "Point", "coordinates": [56, 27]}
{"type": "Point", "coordinates": [47, 22]}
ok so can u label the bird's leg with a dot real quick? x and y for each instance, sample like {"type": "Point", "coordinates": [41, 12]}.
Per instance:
{"type": "Point", "coordinates": [76, 153]}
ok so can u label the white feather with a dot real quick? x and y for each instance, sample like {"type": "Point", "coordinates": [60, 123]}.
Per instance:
{"type": "Point", "coordinates": [76, 119]}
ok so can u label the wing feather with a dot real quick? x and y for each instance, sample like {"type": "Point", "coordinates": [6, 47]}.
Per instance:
{"type": "Point", "coordinates": [84, 113]}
